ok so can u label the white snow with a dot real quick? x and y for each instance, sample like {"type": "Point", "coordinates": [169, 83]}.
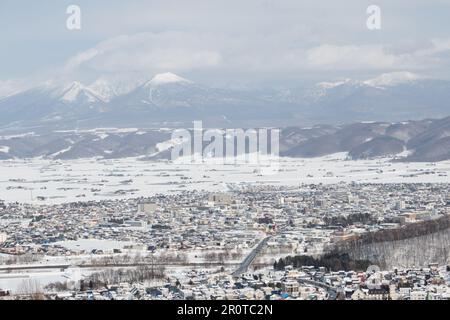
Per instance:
{"type": "Point", "coordinates": [330, 85]}
{"type": "Point", "coordinates": [91, 244]}
{"type": "Point", "coordinates": [166, 145]}
{"type": "Point", "coordinates": [9, 88]}
{"type": "Point", "coordinates": [103, 136]}
{"type": "Point", "coordinates": [62, 151]}
{"type": "Point", "coordinates": [392, 79]}
{"type": "Point", "coordinates": [118, 84]}
{"type": "Point", "coordinates": [4, 149]}
{"type": "Point", "coordinates": [167, 78]}
{"type": "Point", "coordinates": [9, 137]}
{"type": "Point", "coordinates": [381, 82]}
{"type": "Point", "coordinates": [73, 91]}
{"type": "Point", "coordinates": [70, 181]}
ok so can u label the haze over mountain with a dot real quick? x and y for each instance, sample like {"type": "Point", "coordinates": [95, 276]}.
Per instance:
{"type": "Point", "coordinates": [171, 100]}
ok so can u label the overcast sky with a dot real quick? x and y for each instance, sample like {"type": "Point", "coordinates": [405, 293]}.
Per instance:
{"type": "Point", "coordinates": [252, 41]}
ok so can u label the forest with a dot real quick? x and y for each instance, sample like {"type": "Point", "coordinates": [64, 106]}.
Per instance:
{"type": "Point", "coordinates": [330, 261]}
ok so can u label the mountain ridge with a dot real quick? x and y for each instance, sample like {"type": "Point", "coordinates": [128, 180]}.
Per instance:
{"type": "Point", "coordinates": [169, 98]}
{"type": "Point", "coordinates": [409, 141]}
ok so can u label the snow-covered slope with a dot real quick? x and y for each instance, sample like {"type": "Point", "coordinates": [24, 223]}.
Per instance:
{"type": "Point", "coordinates": [166, 78]}
{"type": "Point", "coordinates": [76, 92]}
{"type": "Point", "coordinates": [392, 79]}
{"type": "Point", "coordinates": [167, 97]}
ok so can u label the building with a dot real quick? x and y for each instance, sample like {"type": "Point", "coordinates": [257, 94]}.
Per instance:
{"type": "Point", "coordinates": [370, 294]}
{"type": "Point", "coordinates": [147, 207]}
{"type": "Point", "coordinates": [418, 295]}
{"type": "Point", "coordinates": [3, 237]}
{"type": "Point", "coordinates": [220, 198]}
{"type": "Point", "coordinates": [359, 294]}
{"type": "Point", "coordinates": [378, 294]}
{"type": "Point", "coordinates": [291, 288]}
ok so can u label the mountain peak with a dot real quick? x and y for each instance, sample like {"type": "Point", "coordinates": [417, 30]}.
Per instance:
{"type": "Point", "coordinates": [73, 91]}
{"type": "Point", "coordinates": [384, 80]}
{"type": "Point", "coordinates": [167, 78]}
{"type": "Point", "coordinates": [330, 85]}
{"type": "Point", "coordinates": [392, 79]}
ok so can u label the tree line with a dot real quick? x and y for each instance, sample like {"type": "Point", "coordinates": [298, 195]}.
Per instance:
{"type": "Point", "coordinates": [330, 261]}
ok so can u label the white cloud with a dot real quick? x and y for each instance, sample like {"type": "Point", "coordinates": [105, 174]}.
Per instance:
{"type": "Point", "coordinates": [377, 57]}
{"type": "Point", "coordinates": [81, 58]}
{"type": "Point", "coordinates": [10, 87]}
{"type": "Point", "coordinates": [152, 52]}
{"type": "Point", "coordinates": [350, 57]}
{"type": "Point", "coordinates": [248, 40]}
{"type": "Point", "coordinates": [184, 52]}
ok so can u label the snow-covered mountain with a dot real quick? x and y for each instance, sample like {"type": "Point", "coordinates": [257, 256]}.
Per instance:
{"type": "Point", "coordinates": [165, 91]}
{"type": "Point", "coordinates": [169, 98]}
{"type": "Point", "coordinates": [392, 79]}
{"type": "Point", "coordinates": [112, 86]}
{"type": "Point", "coordinates": [50, 103]}
{"type": "Point", "coordinates": [425, 140]}
{"type": "Point", "coordinates": [167, 78]}
{"type": "Point", "coordinates": [382, 81]}
{"type": "Point", "coordinates": [75, 92]}
{"type": "Point", "coordinates": [9, 88]}
{"type": "Point", "coordinates": [381, 110]}
{"type": "Point", "coordinates": [388, 97]}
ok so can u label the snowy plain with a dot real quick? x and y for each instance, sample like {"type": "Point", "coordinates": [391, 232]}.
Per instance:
{"type": "Point", "coordinates": [42, 181]}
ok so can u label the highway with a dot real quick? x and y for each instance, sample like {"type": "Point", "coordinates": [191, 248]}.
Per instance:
{"type": "Point", "coordinates": [243, 267]}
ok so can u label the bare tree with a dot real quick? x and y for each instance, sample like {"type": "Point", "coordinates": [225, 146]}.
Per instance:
{"type": "Point", "coordinates": [32, 289]}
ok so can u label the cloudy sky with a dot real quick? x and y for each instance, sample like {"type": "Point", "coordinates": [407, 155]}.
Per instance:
{"type": "Point", "coordinates": [247, 42]}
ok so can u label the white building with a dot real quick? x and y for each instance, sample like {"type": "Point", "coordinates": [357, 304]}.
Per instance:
{"type": "Point", "coordinates": [418, 295]}
{"type": "Point", "coordinates": [3, 237]}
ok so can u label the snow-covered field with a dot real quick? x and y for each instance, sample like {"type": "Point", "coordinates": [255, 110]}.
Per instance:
{"type": "Point", "coordinates": [49, 181]}
{"type": "Point", "coordinates": [91, 244]}
{"type": "Point", "coordinates": [15, 281]}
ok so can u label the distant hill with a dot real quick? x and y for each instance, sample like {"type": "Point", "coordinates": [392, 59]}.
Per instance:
{"type": "Point", "coordinates": [414, 141]}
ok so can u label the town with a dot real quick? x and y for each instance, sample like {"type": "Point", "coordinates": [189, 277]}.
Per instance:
{"type": "Point", "coordinates": [229, 245]}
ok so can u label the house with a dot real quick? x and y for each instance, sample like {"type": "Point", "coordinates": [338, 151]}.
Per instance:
{"type": "Point", "coordinates": [291, 288]}
{"type": "Point", "coordinates": [3, 237]}
{"type": "Point", "coordinates": [370, 294]}
{"type": "Point", "coordinates": [4, 293]}
{"type": "Point", "coordinates": [378, 294]}
{"type": "Point", "coordinates": [359, 294]}
{"type": "Point", "coordinates": [418, 295]}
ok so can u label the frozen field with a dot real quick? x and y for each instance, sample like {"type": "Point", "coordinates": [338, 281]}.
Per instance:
{"type": "Point", "coordinates": [48, 181]}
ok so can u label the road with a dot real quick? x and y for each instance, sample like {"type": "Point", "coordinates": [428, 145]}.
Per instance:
{"type": "Point", "coordinates": [250, 257]}
{"type": "Point", "coordinates": [332, 294]}
{"type": "Point", "coordinates": [4, 269]}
